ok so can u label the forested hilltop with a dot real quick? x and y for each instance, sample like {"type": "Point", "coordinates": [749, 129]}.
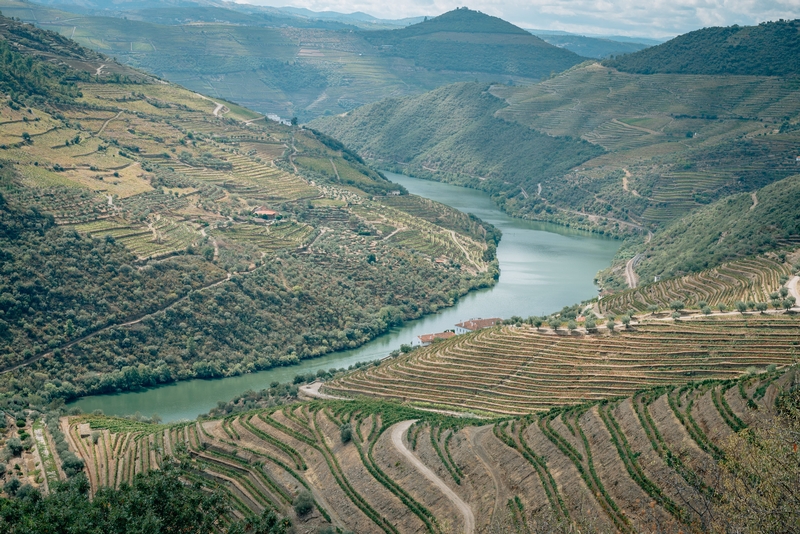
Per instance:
{"type": "Point", "coordinates": [769, 49]}
{"type": "Point", "coordinates": [293, 67]}
{"type": "Point", "coordinates": [150, 234]}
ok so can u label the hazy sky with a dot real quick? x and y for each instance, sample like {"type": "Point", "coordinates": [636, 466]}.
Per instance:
{"type": "Point", "coordinates": [656, 18]}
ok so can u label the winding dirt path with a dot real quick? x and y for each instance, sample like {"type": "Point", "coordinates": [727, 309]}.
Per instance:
{"type": "Point", "coordinates": [464, 251]}
{"type": "Point", "coordinates": [630, 275]}
{"type": "Point", "coordinates": [397, 440]}
{"type": "Point", "coordinates": [103, 127]}
{"type": "Point", "coordinates": [755, 200]}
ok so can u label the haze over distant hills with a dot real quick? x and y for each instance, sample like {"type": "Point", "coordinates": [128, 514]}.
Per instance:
{"type": "Point", "coordinates": [305, 67]}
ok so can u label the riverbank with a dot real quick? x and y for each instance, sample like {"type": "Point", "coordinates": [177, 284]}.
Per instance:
{"type": "Point", "coordinates": [543, 268]}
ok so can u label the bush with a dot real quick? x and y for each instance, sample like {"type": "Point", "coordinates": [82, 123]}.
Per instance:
{"type": "Point", "coordinates": [346, 432]}
{"type": "Point", "coordinates": [14, 446]}
{"type": "Point", "coordinates": [12, 486]}
{"type": "Point", "coordinates": [303, 503]}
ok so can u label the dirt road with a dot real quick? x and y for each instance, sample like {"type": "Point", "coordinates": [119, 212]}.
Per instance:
{"type": "Point", "coordinates": [397, 440]}
{"type": "Point", "coordinates": [794, 289]}
{"type": "Point", "coordinates": [630, 275]}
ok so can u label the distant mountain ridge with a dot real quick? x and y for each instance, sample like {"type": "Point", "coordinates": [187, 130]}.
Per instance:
{"type": "Point", "coordinates": [769, 49]}
{"type": "Point", "coordinates": [466, 40]}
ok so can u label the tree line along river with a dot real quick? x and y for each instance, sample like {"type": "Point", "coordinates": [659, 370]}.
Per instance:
{"type": "Point", "coordinates": [543, 267]}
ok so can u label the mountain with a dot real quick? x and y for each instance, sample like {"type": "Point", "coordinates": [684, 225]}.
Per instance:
{"type": "Point", "coordinates": [293, 66]}
{"type": "Point", "coordinates": [593, 47]}
{"type": "Point", "coordinates": [625, 152]}
{"type": "Point", "coordinates": [453, 133]}
{"type": "Point", "coordinates": [134, 211]}
{"type": "Point", "coordinates": [769, 49]}
{"type": "Point", "coordinates": [466, 40]}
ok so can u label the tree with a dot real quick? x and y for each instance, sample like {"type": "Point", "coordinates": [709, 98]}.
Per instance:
{"type": "Point", "coordinates": [554, 322]}
{"type": "Point", "coordinates": [537, 322]}
{"type": "Point", "coordinates": [761, 306]}
{"type": "Point", "coordinates": [590, 325]}
{"type": "Point", "coordinates": [677, 305]}
{"type": "Point", "coordinates": [702, 304]}
{"type": "Point", "coordinates": [741, 306]}
{"type": "Point", "coordinates": [676, 315]}
{"type": "Point", "coordinates": [721, 307]}
{"type": "Point", "coordinates": [572, 325]}
{"type": "Point", "coordinates": [12, 486]}
{"type": "Point", "coordinates": [706, 310]}
{"type": "Point", "coordinates": [626, 320]}
{"type": "Point", "coordinates": [652, 308]}
{"type": "Point", "coordinates": [303, 503]}
{"type": "Point", "coordinates": [346, 432]}
{"type": "Point", "coordinates": [14, 446]}
{"type": "Point", "coordinates": [610, 325]}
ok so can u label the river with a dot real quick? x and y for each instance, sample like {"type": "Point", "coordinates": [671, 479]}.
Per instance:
{"type": "Point", "coordinates": [543, 267]}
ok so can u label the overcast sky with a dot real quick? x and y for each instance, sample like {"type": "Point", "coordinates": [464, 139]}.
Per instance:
{"type": "Point", "coordinates": [653, 18]}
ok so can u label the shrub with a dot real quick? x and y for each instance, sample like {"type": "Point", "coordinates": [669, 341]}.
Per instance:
{"type": "Point", "coordinates": [303, 503]}
{"type": "Point", "coordinates": [610, 325]}
{"type": "Point", "coordinates": [346, 432]}
{"type": "Point", "coordinates": [12, 486]}
{"type": "Point", "coordinates": [14, 446]}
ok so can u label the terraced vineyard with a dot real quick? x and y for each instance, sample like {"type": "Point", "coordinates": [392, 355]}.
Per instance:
{"type": "Point", "coordinates": [517, 370]}
{"type": "Point", "coordinates": [750, 280]}
{"type": "Point", "coordinates": [627, 464]}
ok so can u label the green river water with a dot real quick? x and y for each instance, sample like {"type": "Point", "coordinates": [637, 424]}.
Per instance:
{"type": "Point", "coordinates": [543, 267]}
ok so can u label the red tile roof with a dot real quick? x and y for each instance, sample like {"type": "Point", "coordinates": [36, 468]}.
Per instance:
{"type": "Point", "coordinates": [428, 338]}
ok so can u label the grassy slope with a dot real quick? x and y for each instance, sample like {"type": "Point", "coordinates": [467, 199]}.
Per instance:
{"type": "Point", "coordinates": [133, 188]}
{"type": "Point", "coordinates": [769, 49]}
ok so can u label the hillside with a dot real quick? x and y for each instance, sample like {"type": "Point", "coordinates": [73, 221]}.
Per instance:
{"type": "Point", "coordinates": [465, 40]}
{"type": "Point", "coordinates": [768, 49]}
{"type": "Point", "coordinates": [300, 68]}
{"type": "Point", "coordinates": [521, 369]}
{"type": "Point", "coordinates": [735, 227]}
{"type": "Point", "coordinates": [151, 234]}
{"type": "Point", "coordinates": [664, 144]}
{"type": "Point", "coordinates": [454, 134]}
{"type": "Point", "coordinates": [625, 465]}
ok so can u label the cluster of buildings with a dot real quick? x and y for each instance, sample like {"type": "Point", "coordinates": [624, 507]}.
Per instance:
{"type": "Point", "coordinates": [461, 328]}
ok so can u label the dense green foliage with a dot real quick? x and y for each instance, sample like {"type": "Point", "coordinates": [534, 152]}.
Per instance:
{"type": "Point", "coordinates": [157, 502]}
{"type": "Point", "coordinates": [464, 40]}
{"type": "Point", "coordinates": [769, 49]}
{"type": "Point", "coordinates": [23, 75]}
{"type": "Point", "coordinates": [446, 131]}
{"type": "Point", "coordinates": [58, 286]}
{"type": "Point", "coordinates": [726, 230]}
